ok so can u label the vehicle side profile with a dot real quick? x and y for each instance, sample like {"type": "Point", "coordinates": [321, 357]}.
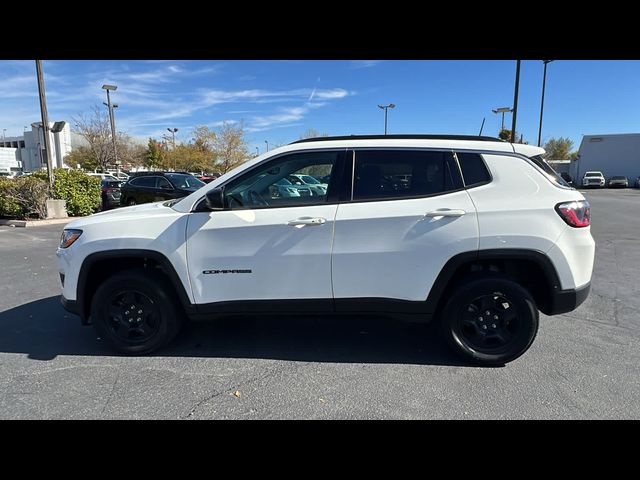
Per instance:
{"type": "Point", "coordinates": [593, 179]}
{"type": "Point", "coordinates": [476, 234]}
{"type": "Point", "coordinates": [149, 187]}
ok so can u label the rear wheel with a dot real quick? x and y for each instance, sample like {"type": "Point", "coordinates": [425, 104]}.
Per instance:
{"type": "Point", "coordinates": [136, 312]}
{"type": "Point", "coordinates": [490, 321]}
{"type": "Point", "coordinates": [131, 202]}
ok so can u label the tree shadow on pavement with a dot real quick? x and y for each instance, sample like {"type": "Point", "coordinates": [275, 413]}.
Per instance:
{"type": "Point", "coordinates": [43, 330]}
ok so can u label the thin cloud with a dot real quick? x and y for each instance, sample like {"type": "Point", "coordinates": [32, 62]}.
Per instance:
{"type": "Point", "coordinates": [364, 63]}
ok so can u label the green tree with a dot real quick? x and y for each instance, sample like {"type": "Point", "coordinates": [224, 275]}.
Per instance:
{"type": "Point", "coordinates": [559, 148]}
{"type": "Point", "coordinates": [154, 156]}
{"type": "Point", "coordinates": [505, 134]}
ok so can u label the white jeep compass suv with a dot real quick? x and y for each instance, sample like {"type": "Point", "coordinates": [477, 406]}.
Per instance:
{"type": "Point", "coordinates": [473, 232]}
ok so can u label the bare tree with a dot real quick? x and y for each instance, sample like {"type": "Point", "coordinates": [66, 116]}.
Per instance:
{"type": "Point", "coordinates": [230, 147]}
{"type": "Point", "coordinates": [96, 132]}
{"type": "Point", "coordinates": [312, 133]}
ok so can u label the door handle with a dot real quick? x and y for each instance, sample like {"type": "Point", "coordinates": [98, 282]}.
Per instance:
{"type": "Point", "coordinates": [302, 221]}
{"type": "Point", "coordinates": [445, 212]}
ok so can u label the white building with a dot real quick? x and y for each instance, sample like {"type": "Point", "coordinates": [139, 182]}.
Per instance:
{"type": "Point", "coordinates": [9, 163]}
{"type": "Point", "coordinates": [611, 154]}
{"type": "Point", "coordinates": [27, 151]}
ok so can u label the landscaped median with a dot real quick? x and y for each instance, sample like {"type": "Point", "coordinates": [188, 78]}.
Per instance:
{"type": "Point", "coordinates": [24, 198]}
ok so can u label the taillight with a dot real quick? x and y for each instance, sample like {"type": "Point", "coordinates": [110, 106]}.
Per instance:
{"type": "Point", "coordinates": [576, 214]}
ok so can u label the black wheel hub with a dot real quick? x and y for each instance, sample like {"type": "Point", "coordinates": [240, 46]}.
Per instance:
{"type": "Point", "coordinates": [488, 323]}
{"type": "Point", "coordinates": [132, 316]}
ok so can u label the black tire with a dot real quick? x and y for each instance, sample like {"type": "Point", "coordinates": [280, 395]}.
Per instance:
{"type": "Point", "coordinates": [152, 298]}
{"type": "Point", "coordinates": [131, 202]}
{"type": "Point", "coordinates": [499, 337]}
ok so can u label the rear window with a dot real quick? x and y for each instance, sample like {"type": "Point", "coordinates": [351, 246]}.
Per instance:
{"type": "Point", "coordinates": [549, 171]}
{"type": "Point", "coordinates": [473, 169]}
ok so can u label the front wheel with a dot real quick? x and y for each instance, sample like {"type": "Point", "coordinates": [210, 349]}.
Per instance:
{"type": "Point", "coordinates": [136, 312]}
{"type": "Point", "coordinates": [490, 321]}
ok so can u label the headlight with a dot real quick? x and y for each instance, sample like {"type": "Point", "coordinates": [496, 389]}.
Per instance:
{"type": "Point", "coordinates": [68, 237]}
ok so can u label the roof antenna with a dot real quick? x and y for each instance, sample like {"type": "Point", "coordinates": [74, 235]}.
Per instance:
{"type": "Point", "coordinates": [482, 126]}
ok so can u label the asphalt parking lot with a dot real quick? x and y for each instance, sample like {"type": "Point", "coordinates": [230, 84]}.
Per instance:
{"type": "Point", "coordinates": [582, 365]}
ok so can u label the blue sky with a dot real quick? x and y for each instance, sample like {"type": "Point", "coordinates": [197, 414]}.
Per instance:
{"type": "Point", "coordinates": [278, 100]}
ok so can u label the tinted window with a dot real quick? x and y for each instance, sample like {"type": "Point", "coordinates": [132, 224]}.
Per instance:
{"type": "Point", "coordinates": [163, 183]}
{"type": "Point", "coordinates": [473, 169]}
{"type": "Point", "coordinates": [144, 182]}
{"type": "Point", "coordinates": [269, 185]}
{"type": "Point", "coordinates": [186, 182]}
{"type": "Point", "coordinates": [550, 173]}
{"type": "Point", "coordinates": [381, 174]}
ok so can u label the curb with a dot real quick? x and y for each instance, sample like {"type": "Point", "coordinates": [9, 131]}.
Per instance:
{"type": "Point", "coordinates": [35, 223]}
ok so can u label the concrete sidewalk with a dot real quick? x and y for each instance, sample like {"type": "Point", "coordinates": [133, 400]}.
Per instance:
{"type": "Point", "coordinates": [35, 223]}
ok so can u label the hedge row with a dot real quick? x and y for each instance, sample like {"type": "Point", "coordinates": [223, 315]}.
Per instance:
{"type": "Point", "coordinates": [25, 197]}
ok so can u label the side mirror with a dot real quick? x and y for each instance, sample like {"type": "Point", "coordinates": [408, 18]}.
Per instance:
{"type": "Point", "coordinates": [215, 199]}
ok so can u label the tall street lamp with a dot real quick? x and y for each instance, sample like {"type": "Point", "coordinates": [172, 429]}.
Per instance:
{"type": "Point", "coordinates": [109, 88]}
{"type": "Point", "coordinates": [4, 134]}
{"type": "Point", "coordinates": [502, 110]}
{"type": "Point", "coordinates": [515, 103]}
{"type": "Point", "coordinates": [267, 142]}
{"type": "Point", "coordinates": [257, 152]}
{"type": "Point", "coordinates": [544, 81]}
{"type": "Point", "coordinates": [173, 136]}
{"type": "Point", "coordinates": [385, 108]}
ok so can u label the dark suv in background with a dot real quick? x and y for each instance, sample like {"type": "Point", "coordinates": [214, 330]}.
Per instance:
{"type": "Point", "coordinates": [157, 186]}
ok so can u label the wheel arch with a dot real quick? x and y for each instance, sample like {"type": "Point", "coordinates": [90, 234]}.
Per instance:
{"type": "Point", "coordinates": [531, 268]}
{"type": "Point", "coordinates": [98, 266]}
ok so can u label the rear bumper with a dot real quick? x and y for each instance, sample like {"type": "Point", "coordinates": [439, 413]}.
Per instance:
{"type": "Point", "coordinates": [565, 301]}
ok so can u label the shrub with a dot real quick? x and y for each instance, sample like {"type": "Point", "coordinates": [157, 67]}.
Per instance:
{"type": "Point", "coordinates": [24, 197]}
{"type": "Point", "coordinates": [81, 191]}
{"type": "Point", "coordinates": [8, 206]}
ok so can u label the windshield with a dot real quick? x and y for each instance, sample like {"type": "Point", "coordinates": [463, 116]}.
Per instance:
{"type": "Point", "coordinates": [593, 174]}
{"type": "Point", "coordinates": [618, 178]}
{"type": "Point", "coordinates": [188, 182]}
{"type": "Point", "coordinates": [549, 171]}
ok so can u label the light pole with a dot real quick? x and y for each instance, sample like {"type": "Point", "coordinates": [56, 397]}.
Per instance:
{"type": "Point", "coordinates": [502, 110]}
{"type": "Point", "coordinates": [45, 119]}
{"type": "Point", "coordinates": [267, 142]}
{"type": "Point", "coordinates": [385, 108]}
{"type": "Point", "coordinates": [173, 136]}
{"type": "Point", "coordinates": [257, 152]}
{"type": "Point", "coordinates": [109, 88]}
{"type": "Point", "coordinates": [544, 81]}
{"type": "Point", "coordinates": [173, 142]}
{"type": "Point", "coordinates": [515, 103]}
{"type": "Point", "coordinates": [4, 134]}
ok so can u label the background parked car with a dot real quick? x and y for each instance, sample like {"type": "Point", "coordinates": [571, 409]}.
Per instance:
{"type": "Point", "coordinates": [618, 182]}
{"type": "Point", "coordinates": [111, 193]}
{"type": "Point", "coordinates": [593, 179]}
{"type": "Point", "coordinates": [638, 182]}
{"type": "Point", "coordinates": [104, 176]}
{"type": "Point", "coordinates": [157, 186]}
{"type": "Point", "coordinates": [308, 181]}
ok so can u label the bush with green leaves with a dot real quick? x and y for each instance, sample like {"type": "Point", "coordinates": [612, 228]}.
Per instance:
{"type": "Point", "coordinates": [81, 191]}
{"type": "Point", "coordinates": [23, 197]}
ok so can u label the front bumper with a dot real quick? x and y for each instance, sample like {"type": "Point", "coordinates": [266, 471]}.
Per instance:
{"type": "Point", "coordinates": [70, 306]}
{"type": "Point", "coordinates": [564, 301]}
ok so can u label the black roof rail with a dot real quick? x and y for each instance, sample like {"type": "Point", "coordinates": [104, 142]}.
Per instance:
{"type": "Point", "coordinates": [401, 137]}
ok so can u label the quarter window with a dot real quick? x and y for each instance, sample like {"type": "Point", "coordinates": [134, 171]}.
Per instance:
{"type": "Point", "coordinates": [473, 169]}
{"type": "Point", "coordinates": [394, 174]}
